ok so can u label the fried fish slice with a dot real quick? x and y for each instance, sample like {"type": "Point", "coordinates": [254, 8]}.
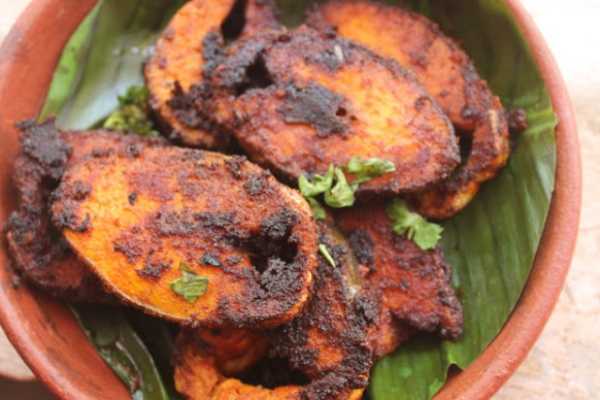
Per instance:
{"type": "Point", "coordinates": [234, 350]}
{"type": "Point", "coordinates": [38, 250]}
{"type": "Point", "coordinates": [194, 38]}
{"type": "Point", "coordinates": [298, 102]}
{"type": "Point", "coordinates": [447, 73]}
{"type": "Point", "coordinates": [198, 377]}
{"type": "Point", "coordinates": [490, 149]}
{"type": "Point", "coordinates": [195, 237]}
{"type": "Point", "coordinates": [409, 288]}
{"type": "Point", "coordinates": [328, 340]}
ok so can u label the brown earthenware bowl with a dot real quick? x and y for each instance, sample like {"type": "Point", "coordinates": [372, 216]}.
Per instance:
{"type": "Point", "coordinates": [49, 339]}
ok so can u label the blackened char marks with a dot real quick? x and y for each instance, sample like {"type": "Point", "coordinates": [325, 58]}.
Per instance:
{"type": "Point", "coordinates": [130, 244]}
{"type": "Point", "coordinates": [234, 165]}
{"type": "Point", "coordinates": [317, 106]}
{"type": "Point", "coordinates": [213, 51]}
{"type": "Point", "coordinates": [70, 196]}
{"type": "Point", "coordinates": [153, 269]}
{"type": "Point", "coordinates": [279, 225]}
{"type": "Point", "coordinates": [132, 198]}
{"type": "Point", "coordinates": [517, 120]}
{"type": "Point", "coordinates": [182, 104]}
{"type": "Point", "coordinates": [68, 218]}
{"type": "Point", "coordinates": [169, 222]}
{"type": "Point", "coordinates": [362, 245]}
{"type": "Point", "coordinates": [44, 145]}
{"type": "Point", "coordinates": [257, 184]}
{"type": "Point", "coordinates": [327, 342]}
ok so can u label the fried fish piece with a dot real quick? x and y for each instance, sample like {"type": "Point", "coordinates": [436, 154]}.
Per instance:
{"type": "Point", "coordinates": [328, 340]}
{"type": "Point", "coordinates": [193, 39]}
{"type": "Point", "coordinates": [198, 377]}
{"type": "Point", "coordinates": [38, 250]}
{"type": "Point", "coordinates": [406, 288]}
{"type": "Point", "coordinates": [234, 350]}
{"type": "Point", "coordinates": [447, 72]}
{"type": "Point", "coordinates": [300, 101]}
{"type": "Point", "coordinates": [196, 237]}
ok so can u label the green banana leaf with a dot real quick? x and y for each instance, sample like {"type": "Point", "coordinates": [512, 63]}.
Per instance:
{"type": "Point", "coordinates": [120, 346]}
{"type": "Point", "coordinates": [491, 245]}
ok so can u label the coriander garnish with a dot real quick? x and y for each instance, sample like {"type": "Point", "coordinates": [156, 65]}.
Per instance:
{"type": "Point", "coordinates": [133, 112]}
{"type": "Point", "coordinates": [317, 184]}
{"type": "Point", "coordinates": [341, 194]}
{"type": "Point", "coordinates": [337, 191]}
{"type": "Point", "coordinates": [326, 254]}
{"type": "Point", "coordinates": [318, 211]}
{"type": "Point", "coordinates": [365, 170]}
{"type": "Point", "coordinates": [425, 234]}
{"type": "Point", "coordinates": [190, 286]}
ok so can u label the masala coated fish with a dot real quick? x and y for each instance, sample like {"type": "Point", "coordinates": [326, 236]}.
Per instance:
{"type": "Point", "coordinates": [38, 250]}
{"type": "Point", "coordinates": [197, 33]}
{"type": "Point", "coordinates": [199, 377]}
{"type": "Point", "coordinates": [196, 237]}
{"type": "Point", "coordinates": [300, 101]}
{"type": "Point", "coordinates": [328, 340]}
{"type": "Point", "coordinates": [447, 73]}
{"type": "Point", "coordinates": [406, 289]}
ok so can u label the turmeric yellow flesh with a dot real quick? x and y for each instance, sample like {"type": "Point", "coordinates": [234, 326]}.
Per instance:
{"type": "Point", "coordinates": [234, 350]}
{"type": "Point", "coordinates": [192, 38]}
{"type": "Point", "coordinates": [191, 236]}
{"type": "Point", "coordinates": [198, 377]}
{"type": "Point", "coordinates": [37, 252]}
{"type": "Point", "coordinates": [447, 73]}
{"type": "Point", "coordinates": [300, 101]}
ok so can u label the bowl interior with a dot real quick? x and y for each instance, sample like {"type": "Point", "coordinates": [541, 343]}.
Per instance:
{"type": "Point", "coordinates": [45, 332]}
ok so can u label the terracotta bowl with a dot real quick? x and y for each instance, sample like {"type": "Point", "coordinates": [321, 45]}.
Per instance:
{"type": "Point", "coordinates": [51, 342]}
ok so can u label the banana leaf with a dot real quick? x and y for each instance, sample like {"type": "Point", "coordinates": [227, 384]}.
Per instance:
{"type": "Point", "coordinates": [120, 346]}
{"type": "Point", "coordinates": [491, 245]}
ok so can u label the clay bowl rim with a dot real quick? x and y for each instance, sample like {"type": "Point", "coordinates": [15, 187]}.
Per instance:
{"type": "Point", "coordinates": [496, 364]}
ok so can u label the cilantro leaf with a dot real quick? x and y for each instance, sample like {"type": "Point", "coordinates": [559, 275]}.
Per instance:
{"type": "Point", "coordinates": [135, 95]}
{"type": "Point", "coordinates": [338, 193]}
{"type": "Point", "coordinates": [342, 193]}
{"type": "Point", "coordinates": [326, 255]}
{"type": "Point", "coordinates": [132, 114]}
{"type": "Point", "coordinates": [318, 211]}
{"type": "Point", "coordinates": [425, 234]}
{"type": "Point", "coordinates": [365, 170]}
{"type": "Point", "coordinates": [317, 185]}
{"type": "Point", "coordinates": [190, 286]}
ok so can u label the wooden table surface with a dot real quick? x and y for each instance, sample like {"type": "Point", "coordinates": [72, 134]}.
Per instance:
{"type": "Point", "coordinates": [565, 363]}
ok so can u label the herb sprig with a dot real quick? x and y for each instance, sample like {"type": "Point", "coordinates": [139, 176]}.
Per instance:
{"type": "Point", "coordinates": [425, 234]}
{"type": "Point", "coordinates": [132, 115]}
{"type": "Point", "coordinates": [334, 186]}
{"type": "Point", "coordinates": [324, 250]}
{"type": "Point", "coordinates": [190, 285]}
